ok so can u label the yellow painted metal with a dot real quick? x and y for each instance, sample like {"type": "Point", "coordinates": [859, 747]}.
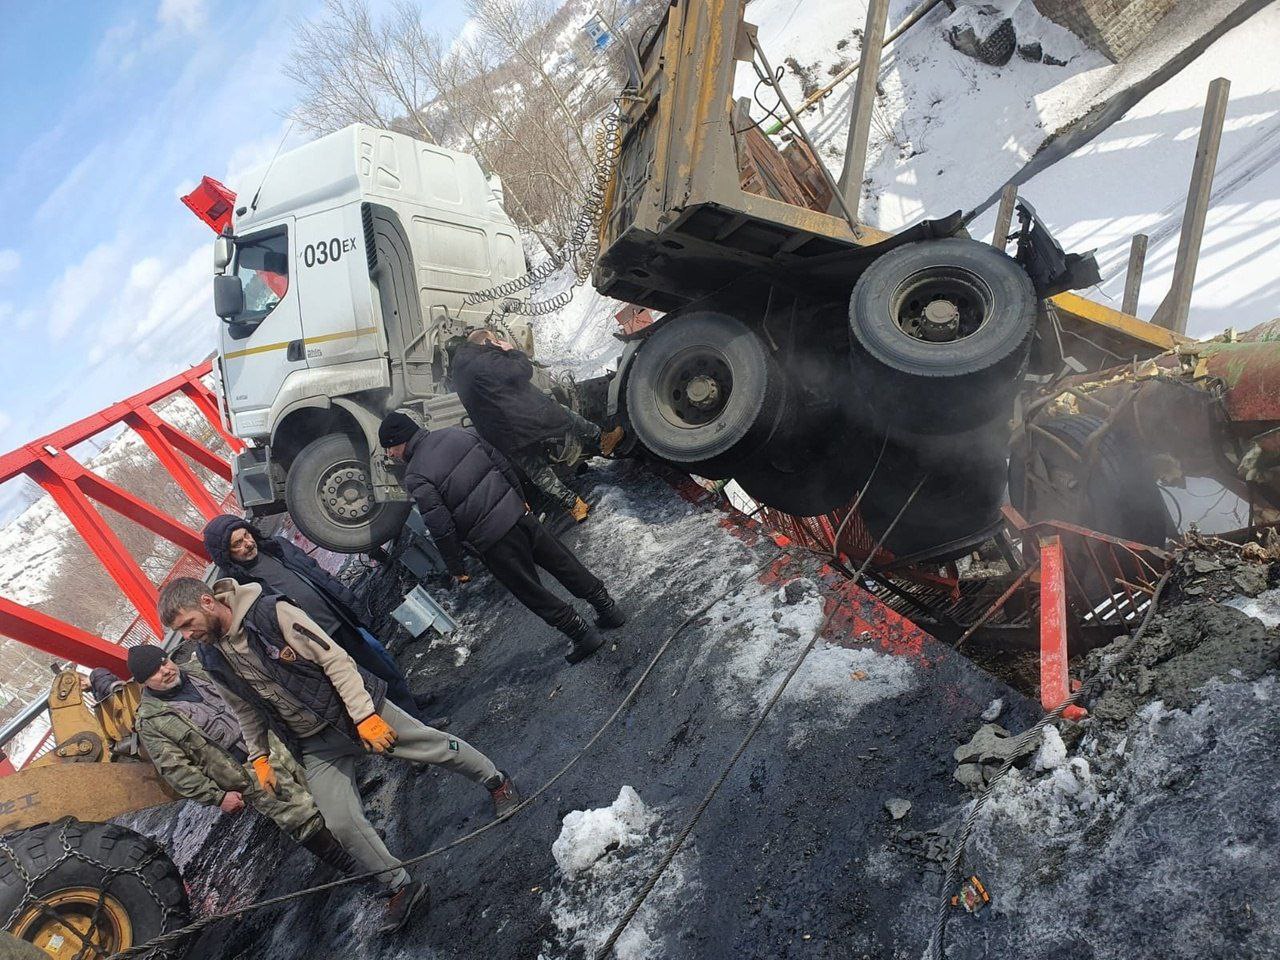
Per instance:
{"type": "Point", "coordinates": [1091, 312]}
{"type": "Point", "coordinates": [86, 791]}
{"type": "Point", "coordinates": [59, 922]}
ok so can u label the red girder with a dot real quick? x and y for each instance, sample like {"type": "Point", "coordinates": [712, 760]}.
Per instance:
{"type": "Point", "coordinates": [75, 488]}
{"type": "Point", "coordinates": [60, 639]}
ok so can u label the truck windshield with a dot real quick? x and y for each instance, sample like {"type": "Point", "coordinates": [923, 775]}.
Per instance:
{"type": "Point", "coordinates": [262, 264]}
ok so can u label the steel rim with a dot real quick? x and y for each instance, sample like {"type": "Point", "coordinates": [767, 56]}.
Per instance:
{"type": "Point", "coordinates": [942, 305]}
{"type": "Point", "coordinates": [345, 493]}
{"type": "Point", "coordinates": [693, 386]}
{"type": "Point", "coordinates": [59, 923]}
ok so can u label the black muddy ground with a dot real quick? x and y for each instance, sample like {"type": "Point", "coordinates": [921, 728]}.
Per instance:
{"type": "Point", "coordinates": [789, 860]}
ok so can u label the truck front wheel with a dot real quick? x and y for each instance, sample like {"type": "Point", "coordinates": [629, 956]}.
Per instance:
{"type": "Point", "coordinates": [78, 889]}
{"type": "Point", "coordinates": [331, 500]}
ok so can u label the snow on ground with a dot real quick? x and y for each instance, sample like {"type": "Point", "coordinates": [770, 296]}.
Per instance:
{"type": "Point", "coordinates": [1265, 607]}
{"type": "Point", "coordinates": [603, 856]}
{"type": "Point", "coordinates": [1133, 179]}
{"type": "Point", "coordinates": [1145, 806]}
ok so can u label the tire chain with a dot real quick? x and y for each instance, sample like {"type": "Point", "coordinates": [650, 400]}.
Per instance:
{"type": "Point", "coordinates": [583, 243]}
{"type": "Point", "coordinates": [88, 947]}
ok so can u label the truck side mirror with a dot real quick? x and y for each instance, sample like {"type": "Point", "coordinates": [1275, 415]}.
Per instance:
{"type": "Point", "coordinates": [228, 296]}
{"type": "Point", "coordinates": [222, 249]}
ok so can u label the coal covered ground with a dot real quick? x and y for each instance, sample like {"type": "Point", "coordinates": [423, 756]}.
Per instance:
{"type": "Point", "coordinates": [796, 856]}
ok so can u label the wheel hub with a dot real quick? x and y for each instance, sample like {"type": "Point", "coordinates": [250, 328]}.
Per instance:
{"type": "Point", "coordinates": [62, 922]}
{"type": "Point", "coordinates": [942, 305]}
{"type": "Point", "coordinates": [940, 322]}
{"type": "Point", "coordinates": [345, 493]}
{"type": "Point", "coordinates": [703, 391]}
{"type": "Point", "coordinates": [694, 386]}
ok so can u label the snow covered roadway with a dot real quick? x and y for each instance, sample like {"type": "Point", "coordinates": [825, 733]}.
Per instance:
{"type": "Point", "coordinates": [792, 859]}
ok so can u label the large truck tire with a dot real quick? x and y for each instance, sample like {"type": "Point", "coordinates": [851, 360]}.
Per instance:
{"type": "Point", "coordinates": [704, 393]}
{"type": "Point", "coordinates": [100, 879]}
{"type": "Point", "coordinates": [940, 333]}
{"type": "Point", "coordinates": [331, 501]}
{"type": "Point", "coordinates": [1118, 495]}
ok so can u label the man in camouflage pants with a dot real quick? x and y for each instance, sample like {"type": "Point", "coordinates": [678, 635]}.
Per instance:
{"type": "Point", "coordinates": [194, 740]}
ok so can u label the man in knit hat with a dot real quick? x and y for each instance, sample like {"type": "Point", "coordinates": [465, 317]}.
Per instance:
{"type": "Point", "coordinates": [194, 740]}
{"type": "Point", "coordinates": [469, 494]}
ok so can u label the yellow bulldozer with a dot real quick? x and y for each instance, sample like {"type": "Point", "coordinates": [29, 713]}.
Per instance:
{"type": "Point", "coordinates": [71, 883]}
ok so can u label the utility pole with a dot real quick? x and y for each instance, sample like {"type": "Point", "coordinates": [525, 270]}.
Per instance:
{"type": "Point", "coordinates": [864, 101]}
{"type": "Point", "coordinates": [1173, 311]}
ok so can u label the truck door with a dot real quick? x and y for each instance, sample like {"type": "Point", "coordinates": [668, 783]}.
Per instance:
{"type": "Point", "coordinates": [262, 345]}
{"type": "Point", "coordinates": [336, 294]}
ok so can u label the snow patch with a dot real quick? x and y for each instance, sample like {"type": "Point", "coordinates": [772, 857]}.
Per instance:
{"type": "Point", "coordinates": [587, 835]}
{"type": "Point", "coordinates": [1265, 607]}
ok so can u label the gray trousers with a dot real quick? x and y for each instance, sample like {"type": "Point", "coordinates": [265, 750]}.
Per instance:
{"type": "Point", "coordinates": [581, 439]}
{"type": "Point", "coordinates": [329, 758]}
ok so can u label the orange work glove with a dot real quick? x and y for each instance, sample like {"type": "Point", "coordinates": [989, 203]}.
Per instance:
{"type": "Point", "coordinates": [377, 734]}
{"type": "Point", "coordinates": [266, 776]}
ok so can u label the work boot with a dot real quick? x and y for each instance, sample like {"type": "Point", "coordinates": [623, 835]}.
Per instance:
{"type": "Point", "coordinates": [609, 441]}
{"type": "Point", "coordinates": [608, 614]}
{"type": "Point", "coordinates": [401, 905]}
{"type": "Point", "coordinates": [503, 792]}
{"type": "Point", "coordinates": [586, 639]}
{"type": "Point", "coordinates": [324, 846]}
{"type": "Point", "coordinates": [579, 510]}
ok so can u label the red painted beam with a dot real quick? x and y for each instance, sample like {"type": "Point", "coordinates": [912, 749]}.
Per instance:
{"type": "Point", "coordinates": [1055, 684]}
{"type": "Point", "coordinates": [145, 423]}
{"type": "Point", "coordinates": [102, 540]}
{"type": "Point", "coordinates": [197, 451]}
{"type": "Point", "coordinates": [205, 401]}
{"type": "Point", "coordinates": [60, 639]}
{"type": "Point", "coordinates": [17, 461]}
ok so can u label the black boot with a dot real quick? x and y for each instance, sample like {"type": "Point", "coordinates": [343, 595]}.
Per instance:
{"type": "Point", "coordinates": [608, 614]}
{"type": "Point", "coordinates": [326, 848]}
{"type": "Point", "coordinates": [586, 639]}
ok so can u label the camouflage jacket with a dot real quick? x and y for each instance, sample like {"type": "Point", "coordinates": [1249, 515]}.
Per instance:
{"type": "Point", "coordinates": [196, 766]}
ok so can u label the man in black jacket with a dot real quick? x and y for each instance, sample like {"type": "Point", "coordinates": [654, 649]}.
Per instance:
{"type": "Point", "coordinates": [468, 493]}
{"type": "Point", "coordinates": [494, 381]}
{"type": "Point", "coordinates": [245, 554]}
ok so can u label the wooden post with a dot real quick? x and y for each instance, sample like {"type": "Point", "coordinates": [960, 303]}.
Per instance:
{"type": "Point", "coordinates": [1004, 216]}
{"type": "Point", "coordinates": [1175, 308]}
{"type": "Point", "coordinates": [1133, 280]}
{"type": "Point", "coordinates": [864, 101]}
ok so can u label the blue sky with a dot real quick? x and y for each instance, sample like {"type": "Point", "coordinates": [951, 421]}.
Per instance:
{"type": "Point", "coordinates": [111, 112]}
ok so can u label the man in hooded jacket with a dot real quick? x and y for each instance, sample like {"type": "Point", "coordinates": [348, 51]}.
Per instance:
{"type": "Point", "coordinates": [245, 554]}
{"type": "Point", "coordinates": [530, 428]}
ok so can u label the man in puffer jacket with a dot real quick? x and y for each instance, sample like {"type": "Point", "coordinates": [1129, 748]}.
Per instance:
{"type": "Point", "coordinates": [247, 555]}
{"type": "Point", "coordinates": [194, 740]}
{"type": "Point", "coordinates": [468, 493]}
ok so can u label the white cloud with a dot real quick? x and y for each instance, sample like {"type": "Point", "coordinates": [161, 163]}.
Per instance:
{"type": "Point", "coordinates": [5, 421]}
{"type": "Point", "coordinates": [84, 285]}
{"type": "Point", "coordinates": [188, 15]}
{"type": "Point", "coordinates": [118, 47]}
{"type": "Point", "coordinates": [10, 261]}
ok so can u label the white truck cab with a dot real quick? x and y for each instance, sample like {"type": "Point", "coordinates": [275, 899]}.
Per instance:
{"type": "Point", "coordinates": [337, 289]}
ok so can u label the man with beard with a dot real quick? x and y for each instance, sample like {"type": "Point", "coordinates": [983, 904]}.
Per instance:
{"type": "Point", "coordinates": [245, 554]}
{"type": "Point", "coordinates": [280, 672]}
{"type": "Point", "coordinates": [194, 740]}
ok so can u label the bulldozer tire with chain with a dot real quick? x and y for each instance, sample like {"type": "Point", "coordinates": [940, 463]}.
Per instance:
{"type": "Point", "coordinates": [70, 881]}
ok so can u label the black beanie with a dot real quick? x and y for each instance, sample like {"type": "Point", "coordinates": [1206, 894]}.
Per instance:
{"type": "Point", "coordinates": [144, 660]}
{"type": "Point", "coordinates": [396, 427]}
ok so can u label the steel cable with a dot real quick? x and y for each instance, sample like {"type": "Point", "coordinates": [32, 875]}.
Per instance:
{"type": "Point", "coordinates": [175, 937]}
{"type": "Point", "coordinates": [679, 842]}
{"type": "Point", "coordinates": [583, 243]}
{"type": "Point", "coordinates": [1021, 743]}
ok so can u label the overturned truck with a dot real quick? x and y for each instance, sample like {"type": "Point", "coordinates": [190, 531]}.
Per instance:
{"type": "Point", "coordinates": [799, 352]}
